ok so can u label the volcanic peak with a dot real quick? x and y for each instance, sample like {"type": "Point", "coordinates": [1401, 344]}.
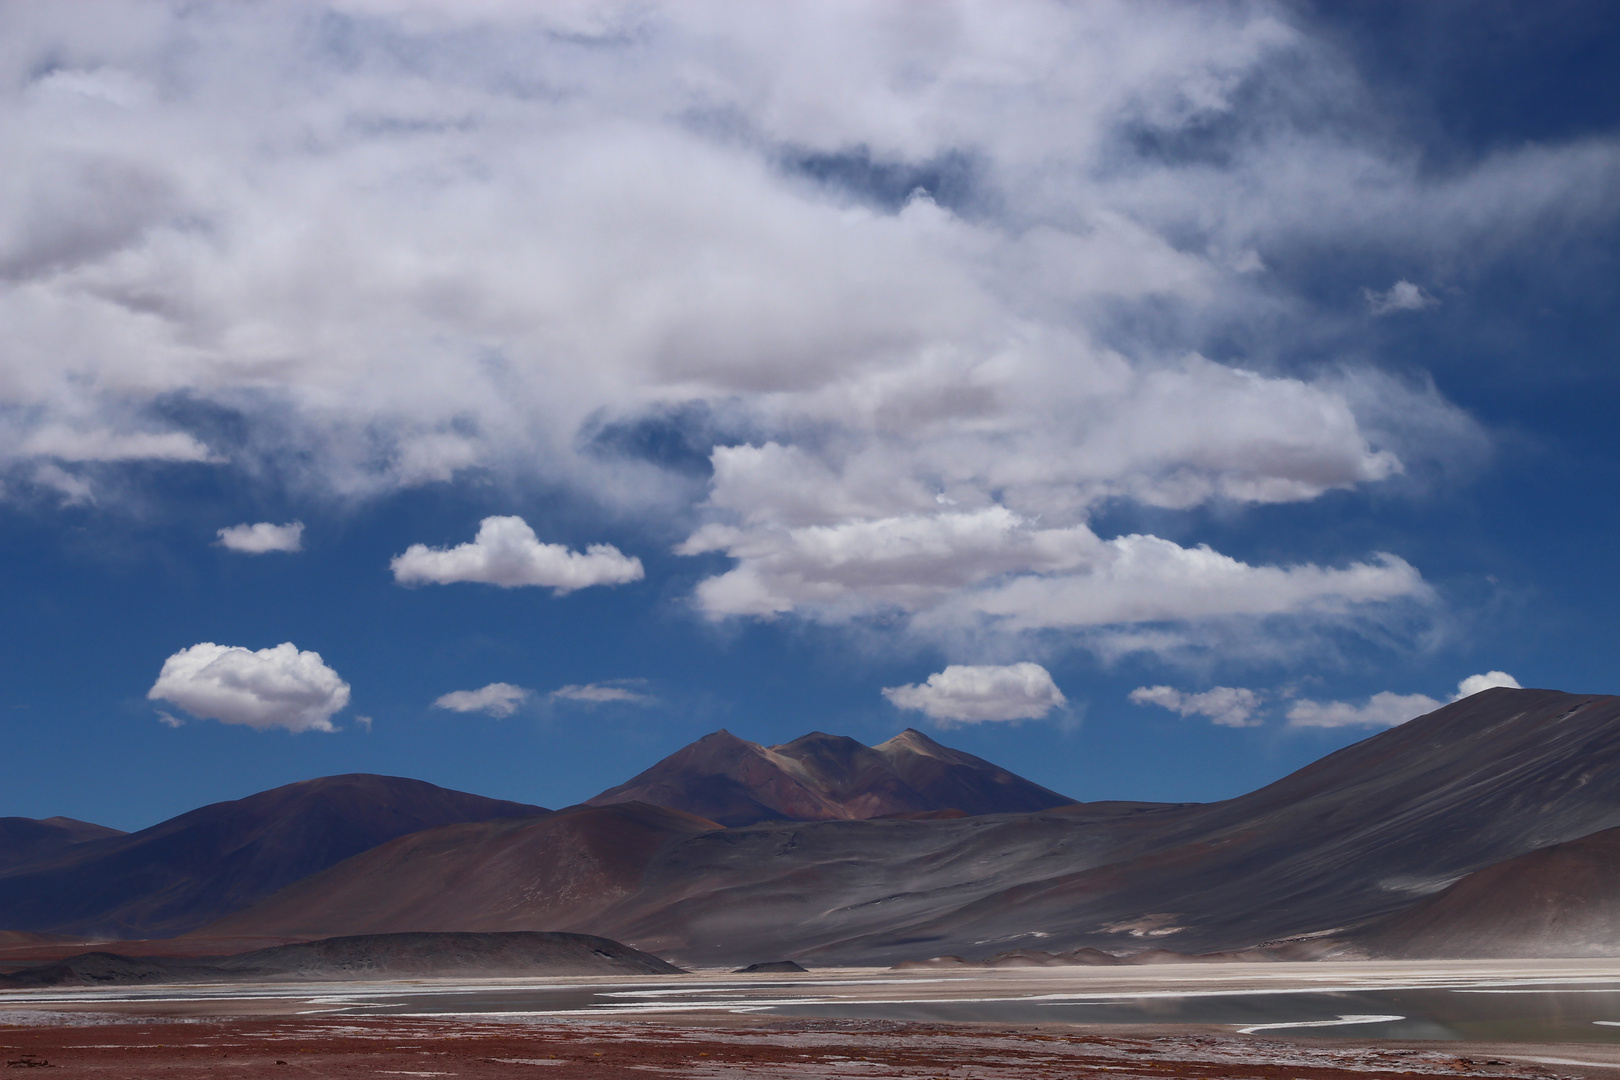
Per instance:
{"type": "Point", "coordinates": [822, 777]}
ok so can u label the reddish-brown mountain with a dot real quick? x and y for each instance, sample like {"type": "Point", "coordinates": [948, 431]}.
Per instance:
{"type": "Point", "coordinates": [204, 864]}
{"type": "Point", "coordinates": [1362, 834]}
{"type": "Point", "coordinates": [24, 840]}
{"type": "Point", "coordinates": [822, 777]}
{"type": "Point", "coordinates": [550, 873]}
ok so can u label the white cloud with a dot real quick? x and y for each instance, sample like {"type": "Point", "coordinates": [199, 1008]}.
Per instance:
{"type": "Point", "coordinates": [262, 537]}
{"type": "Point", "coordinates": [75, 489]}
{"type": "Point", "coordinates": [991, 566]}
{"type": "Point", "coordinates": [1383, 709]}
{"type": "Point", "coordinates": [601, 693]}
{"type": "Point", "coordinates": [497, 699]}
{"type": "Point", "coordinates": [279, 687]}
{"type": "Point", "coordinates": [973, 693]}
{"type": "Point", "coordinates": [1229, 706]}
{"type": "Point", "coordinates": [1401, 296]}
{"type": "Point", "coordinates": [1490, 680]}
{"type": "Point", "coordinates": [507, 553]}
{"type": "Point", "coordinates": [393, 244]}
{"type": "Point", "coordinates": [1386, 709]}
{"type": "Point", "coordinates": [65, 444]}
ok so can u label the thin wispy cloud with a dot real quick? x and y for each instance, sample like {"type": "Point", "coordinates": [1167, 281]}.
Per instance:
{"type": "Point", "coordinates": [497, 699]}
{"type": "Point", "coordinates": [1228, 706]}
{"type": "Point", "coordinates": [619, 691]}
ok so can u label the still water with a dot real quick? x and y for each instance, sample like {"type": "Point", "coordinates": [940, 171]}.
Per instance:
{"type": "Point", "coordinates": [1567, 1012]}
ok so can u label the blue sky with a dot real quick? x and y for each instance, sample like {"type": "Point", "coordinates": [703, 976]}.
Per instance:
{"type": "Point", "coordinates": [1083, 376]}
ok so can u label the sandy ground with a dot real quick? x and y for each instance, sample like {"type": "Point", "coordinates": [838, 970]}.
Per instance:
{"type": "Point", "coordinates": [286, 1030]}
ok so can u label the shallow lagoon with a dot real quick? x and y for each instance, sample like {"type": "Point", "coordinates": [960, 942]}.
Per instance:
{"type": "Point", "coordinates": [1586, 1011]}
{"type": "Point", "coordinates": [1485, 1001]}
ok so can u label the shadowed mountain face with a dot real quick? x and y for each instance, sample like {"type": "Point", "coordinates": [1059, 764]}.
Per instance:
{"type": "Point", "coordinates": [1361, 834]}
{"type": "Point", "coordinates": [827, 778]}
{"type": "Point", "coordinates": [1562, 900]}
{"type": "Point", "coordinates": [195, 868]}
{"type": "Point", "coordinates": [549, 873]}
{"type": "Point", "coordinates": [28, 839]}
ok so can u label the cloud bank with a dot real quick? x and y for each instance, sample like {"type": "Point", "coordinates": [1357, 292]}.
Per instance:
{"type": "Point", "coordinates": [507, 553]}
{"type": "Point", "coordinates": [497, 699]}
{"type": "Point", "coordinates": [263, 537]}
{"type": "Point", "coordinates": [971, 694]}
{"type": "Point", "coordinates": [939, 280]}
{"type": "Point", "coordinates": [279, 687]}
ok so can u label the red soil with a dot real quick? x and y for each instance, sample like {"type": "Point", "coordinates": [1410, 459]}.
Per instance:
{"type": "Point", "coordinates": [103, 1045]}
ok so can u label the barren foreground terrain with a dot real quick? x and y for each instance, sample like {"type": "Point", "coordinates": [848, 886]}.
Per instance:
{"type": "Point", "coordinates": [726, 1025]}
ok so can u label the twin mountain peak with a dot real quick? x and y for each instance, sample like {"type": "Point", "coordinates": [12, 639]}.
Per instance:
{"type": "Point", "coordinates": [821, 777]}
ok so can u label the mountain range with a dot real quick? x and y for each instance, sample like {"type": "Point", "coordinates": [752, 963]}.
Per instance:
{"type": "Point", "coordinates": [1489, 827]}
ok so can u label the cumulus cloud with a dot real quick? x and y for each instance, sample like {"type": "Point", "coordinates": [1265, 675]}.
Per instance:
{"type": "Point", "coordinates": [993, 566]}
{"type": "Point", "coordinates": [602, 693]}
{"type": "Point", "coordinates": [1386, 709]}
{"type": "Point", "coordinates": [974, 693]}
{"type": "Point", "coordinates": [497, 699]}
{"type": "Point", "coordinates": [1475, 684]}
{"type": "Point", "coordinates": [280, 687]}
{"type": "Point", "coordinates": [507, 553]}
{"type": "Point", "coordinates": [1229, 706]}
{"type": "Point", "coordinates": [1401, 296]}
{"type": "Point", "coordinates": [362, 246]}
{"type": "Point", "coordinates": [262, 537]}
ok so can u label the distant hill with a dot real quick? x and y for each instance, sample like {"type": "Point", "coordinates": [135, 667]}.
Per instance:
{"type": "Point", "coordinates": [379, 956]}
{"type": "Point", "coordinates": [202, 865]}
{"type": "Point", "coordinates": [556, 872]}
{"type": "Point", "coordinates": [24, 840]}
{"type": "Point", "coordinates": [1562, 900]}
{"type": "Point", "coordinates": [821, 777]}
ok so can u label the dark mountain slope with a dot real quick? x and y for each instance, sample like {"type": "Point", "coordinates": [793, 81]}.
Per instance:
{"type": "Point", "coordinates": [24, 840]}
{"type": "Point", "coordinates": [548, 873]}
{"type": "Point", "coordinates": [1562, 900]}
{"type": "Point", "coordinates": [378, 956]}
{"type": "Point", "coordinates": [1360, 834]}
{"type": "Point", "coordinates": [951, 778]}
{"type": "Point", "coordinates": [197, 867]}
{"type": "Point", "coordinates": [822, 777]}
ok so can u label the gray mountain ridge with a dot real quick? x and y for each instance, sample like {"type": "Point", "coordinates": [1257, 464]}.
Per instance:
{"type": "Point", "coordinates": [1357, 836]}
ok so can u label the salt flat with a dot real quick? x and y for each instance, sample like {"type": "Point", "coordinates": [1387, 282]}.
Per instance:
{"type": "Point", "coordinates": [1488, 1018]}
